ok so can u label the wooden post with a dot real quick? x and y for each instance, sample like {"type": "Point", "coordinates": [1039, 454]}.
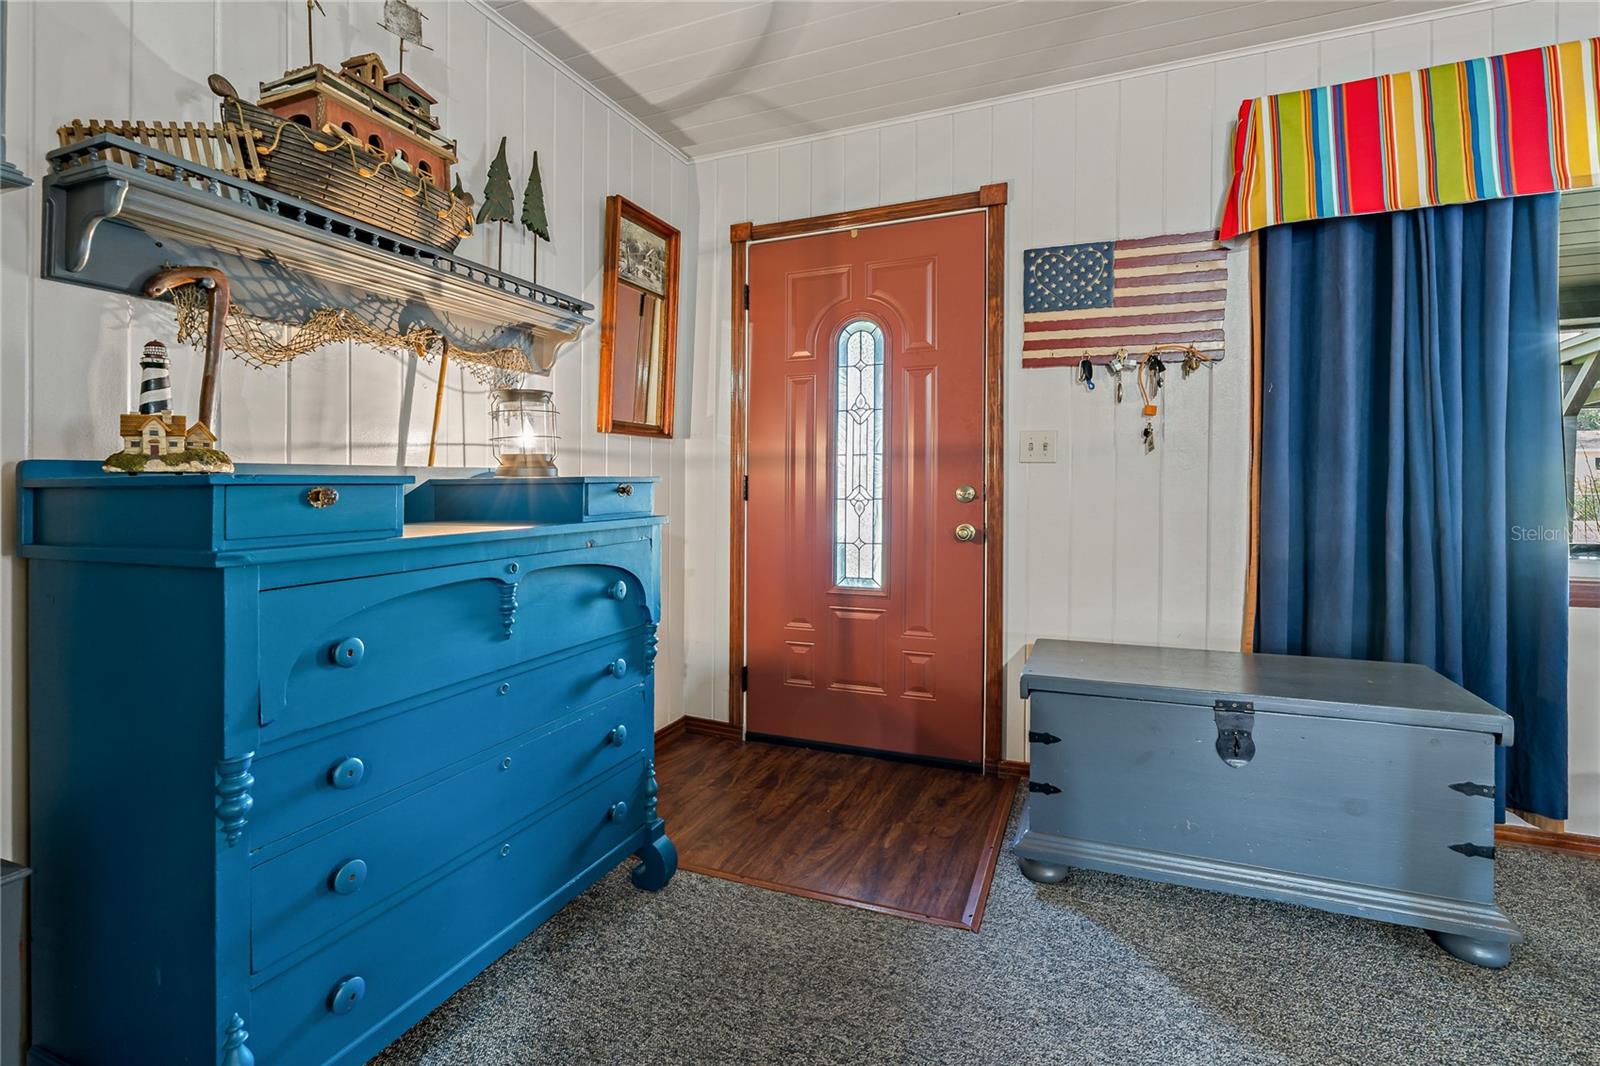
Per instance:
{"type": "Point", "coordinates": [438, 401]}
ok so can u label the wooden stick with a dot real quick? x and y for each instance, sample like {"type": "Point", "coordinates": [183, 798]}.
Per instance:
{"type": "Point", "coordinates": [215, 282]}
{"type": "Point", "coordinates": [438, 401]}
{"type": "Point", "coordinates": [1252, 573]}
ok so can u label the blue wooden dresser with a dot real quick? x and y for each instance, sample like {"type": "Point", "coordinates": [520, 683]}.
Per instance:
{"type": "Point", "coordinates": [307, 754]}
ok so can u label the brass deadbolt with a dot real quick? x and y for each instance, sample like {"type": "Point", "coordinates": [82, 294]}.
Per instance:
{"type": "Point", "coordinates": [966, 494]}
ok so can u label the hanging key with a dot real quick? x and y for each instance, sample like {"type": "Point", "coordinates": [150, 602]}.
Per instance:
{"type": "Point", "coordinates": [1116, 366]}
{"type": "Point", "coordinates": [1086, 373]}
{"type": "Point", "coordinates": [1149, 438]}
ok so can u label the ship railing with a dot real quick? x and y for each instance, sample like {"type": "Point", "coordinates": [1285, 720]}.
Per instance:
{"type": "Point", "coordinates": [220, 146]}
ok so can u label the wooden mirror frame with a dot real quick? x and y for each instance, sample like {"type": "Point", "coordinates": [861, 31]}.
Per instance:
{"type": "Point", "coordinates": [617, 209]}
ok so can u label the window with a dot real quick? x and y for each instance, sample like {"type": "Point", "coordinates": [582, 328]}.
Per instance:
{"type": "Point", "coordinates": [376, 142]}
{"type": "Point", "coordinates": [348, 128]}
{"type": "Point", "coordinates": [302, 120]}
{"type": "Point", "coordinates": [858, 458]}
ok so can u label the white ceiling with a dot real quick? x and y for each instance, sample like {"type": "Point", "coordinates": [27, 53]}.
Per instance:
{"type": "Point", "coordinates": [713, 77]}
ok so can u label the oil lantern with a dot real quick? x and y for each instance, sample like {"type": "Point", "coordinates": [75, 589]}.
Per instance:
{"type": "Point", "coordinates": [522, 429]}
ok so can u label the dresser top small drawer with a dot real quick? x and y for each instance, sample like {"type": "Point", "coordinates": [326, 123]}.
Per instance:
{"type": "Point", "coordinates": [76, 505]}
{"type": "Point", "coordinates": [538, 500]}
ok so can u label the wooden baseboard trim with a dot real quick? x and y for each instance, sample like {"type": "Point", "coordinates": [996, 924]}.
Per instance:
{"type": "Point", "coordinates": [670, 732]}
{"type": "Point", "coordinates": [1526, 836]}
{"type": "Point", "coordinates": [1013, 768]}
{"type": "Point", "coordinates": [710, 727]}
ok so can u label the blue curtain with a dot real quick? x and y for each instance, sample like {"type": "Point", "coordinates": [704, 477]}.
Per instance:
{"type": "Point", "coordinates": [1412, 505]}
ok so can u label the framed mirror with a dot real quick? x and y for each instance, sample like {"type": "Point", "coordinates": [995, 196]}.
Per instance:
{"type": "Point", "coordinates": [638, 322]}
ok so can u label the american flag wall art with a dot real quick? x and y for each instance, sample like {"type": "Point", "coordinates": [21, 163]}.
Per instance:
{"type": "Point", "coordinates": [1092, 300]}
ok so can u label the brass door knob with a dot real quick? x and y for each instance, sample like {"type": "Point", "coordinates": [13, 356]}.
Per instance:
{"type": "Point", "coordinates": [966, 531]}
{"type": "Point", "coordinates": [966, 494]}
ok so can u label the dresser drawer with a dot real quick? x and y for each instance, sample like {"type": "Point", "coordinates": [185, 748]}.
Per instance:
{"type": "Point", "coordinates": [331, 880]}
{"type": "Point", "coordinates": [333, 650]}
{"type": "Point", "coordinates": [617, 499]}
{"type": "Point", "coordinates": [358, 988]}
{"type": "Point", "coordinates": [309, 783]}
{"type": "Point", "coordinates": [270, 513]}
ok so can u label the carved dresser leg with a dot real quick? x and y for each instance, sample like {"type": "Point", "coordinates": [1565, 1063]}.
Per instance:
{"type": "Point", "coordinates": [658, 861]}
{"type": "Point", "coordinates": [234, 1053]}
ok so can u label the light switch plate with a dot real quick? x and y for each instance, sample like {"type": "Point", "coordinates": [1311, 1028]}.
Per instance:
{"type": "Point", "coordinates": [1038, 446]}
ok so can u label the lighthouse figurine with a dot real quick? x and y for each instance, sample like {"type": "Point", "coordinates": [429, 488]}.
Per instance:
{"type": "Point", "coordinates": [156, 441]}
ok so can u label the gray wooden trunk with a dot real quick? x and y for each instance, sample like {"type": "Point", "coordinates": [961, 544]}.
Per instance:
{"type": "Point", "coordinates": [1357, 787]}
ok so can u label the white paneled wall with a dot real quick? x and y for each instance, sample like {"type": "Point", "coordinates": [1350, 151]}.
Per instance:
{"type": "Point", "coordinates": [66, 353]}
{"type": "Point", "coordinates": [1109, 543]}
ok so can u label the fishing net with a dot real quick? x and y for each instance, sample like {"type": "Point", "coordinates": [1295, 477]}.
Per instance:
{"type": "Point", "coordinates": [264, 344]}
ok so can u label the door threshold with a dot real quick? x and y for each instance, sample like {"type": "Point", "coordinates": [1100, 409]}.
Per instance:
{"type": "Point", "coordinates": [871, 753]}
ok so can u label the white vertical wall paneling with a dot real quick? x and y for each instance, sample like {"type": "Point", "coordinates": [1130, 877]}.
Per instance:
{"type": "Point", "coordinates": [1040, 543]}
{"type": "Point", "coordinates": [1185, 487]}
{"type": "Point", "coordinates": [827, 176]}
{"type": "Point", "coordinates": [1012, 142]}
{"type": "Point", "coordinates": [935, 174]}
{"type": "Point", "coordinates": [1577, 20]}
{"type": "Point", "coordinates": [1136, 548]}
{"type": "Point", "coordinates": [897, 163]}
{"type": "Point", "coordinates": [1463, 36]}
{"type": "Point", "coordinates": [1093, 551]}
{"type": "Point", "coordinates": [1228, 436]}
{"type": "Point", "coordinates": [794, 182]}
{"type": "Point", "coordinates": [860, 169]}
{"type": "Point", "coordinates": [733, 205]}
{"type": "Point", "coordinates": [80, 340]}
{"type": "Point", "coordinates": [972, 149]}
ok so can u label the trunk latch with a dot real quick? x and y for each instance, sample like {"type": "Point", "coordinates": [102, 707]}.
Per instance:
{"type": "Point", "coordinates": [1235, 719]}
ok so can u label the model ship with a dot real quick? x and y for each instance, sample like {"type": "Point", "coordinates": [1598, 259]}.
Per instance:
{"type": "Point", "coordinates": [359, 140]}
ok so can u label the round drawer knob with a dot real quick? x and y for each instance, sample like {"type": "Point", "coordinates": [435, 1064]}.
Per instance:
{"type": "Point", "coordinates": [618, 668]}
{"type": "Point", "coordinates": [624, 489]}
{"type": "Point", "coordinates": [618, 811]}
{"type": "Point", "coordinates": [618, 736]}
{"type": "Point", "coordinates": [347, 652]}
{"type": "Point", "coordinates": [619, 591]}
{"type": "Point", "coordinates": [349, 877]}
{"type": "Point", "coordinates": [346, 994]}
{"type": "Point", "coordinates": [347, 772]}
{"type": "Point", "coordinates": [322, 496]}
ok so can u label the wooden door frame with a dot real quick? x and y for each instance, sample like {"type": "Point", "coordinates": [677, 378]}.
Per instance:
{"type": "Point", "coordinates": [990, 199]}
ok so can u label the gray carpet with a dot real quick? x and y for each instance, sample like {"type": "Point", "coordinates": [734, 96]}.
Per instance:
{"type": "Point", "coordinates": [1099, 969]}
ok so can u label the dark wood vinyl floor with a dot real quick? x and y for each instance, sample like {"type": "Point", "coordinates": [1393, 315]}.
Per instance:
{"type": "Point", "coordinates": [901, 838]}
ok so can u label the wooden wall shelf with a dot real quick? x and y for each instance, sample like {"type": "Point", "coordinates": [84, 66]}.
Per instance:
{"type": "Point", "coordinates": [116, 211]}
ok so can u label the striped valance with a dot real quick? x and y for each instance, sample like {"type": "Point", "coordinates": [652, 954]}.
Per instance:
{"type": "Point", "coordinates": [1523, 122]}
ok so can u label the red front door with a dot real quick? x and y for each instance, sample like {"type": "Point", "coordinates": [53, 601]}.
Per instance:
{"type": "Point", "coordinates": [864, 611]}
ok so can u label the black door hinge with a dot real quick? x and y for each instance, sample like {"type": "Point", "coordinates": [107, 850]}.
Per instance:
{"type": "Point", "coordinates": [1042, 787]}
{"type": "Point", "coordinates": [747, 296]}
{"type": "Point", "coordinates": [744, 678]}
{"type": "Point", "coordinates": [1474, 851]}
{"type": "Point", "coordinates": [1042, 738]}
{"type": "Point", "coordinates": [747, 486]}
{"type": "Point", "coordinates": [1472, 788]}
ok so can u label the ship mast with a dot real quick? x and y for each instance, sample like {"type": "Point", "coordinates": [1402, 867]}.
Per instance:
{"type": "Point", "coordinates": [311, 48]}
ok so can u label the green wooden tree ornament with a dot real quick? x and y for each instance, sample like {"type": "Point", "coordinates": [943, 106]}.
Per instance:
{"type": "Point", "coordinates": [499, 202]}
{"type": "Point", "coordinates": [533, 217]}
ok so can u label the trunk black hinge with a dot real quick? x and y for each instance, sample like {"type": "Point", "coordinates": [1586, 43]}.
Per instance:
{"type": "Point", "coordinates": [1474, 851]}
{"type": "Point", "coordinates": [1042, 738]}
{"type": "Point", "coordinates": [1043, 787]}
{"type": "Point", "coordinates": [1472, 788]}
{"type": "Point", "coordinates": [744, 678]}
